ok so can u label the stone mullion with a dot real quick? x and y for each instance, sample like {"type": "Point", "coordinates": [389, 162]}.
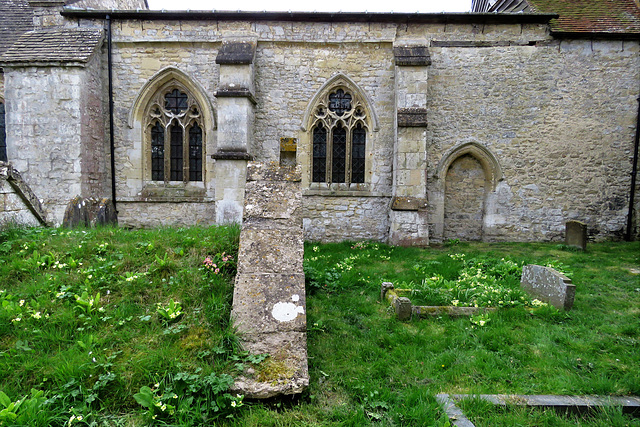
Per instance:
{"type": "Point", "coordinates": [185, 155]}
{"type": "Point", "coordinates": [167, 153]}
{"type": "Point", "coordinates": [347, 158]}
{"type": "Point", "coordinates": [329, 175]}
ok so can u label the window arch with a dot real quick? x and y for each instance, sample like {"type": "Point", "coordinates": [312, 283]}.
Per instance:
{"type": "Point", "coordinates": [339, 127]}
{"type": "Point", "coordinates": [175, 133]}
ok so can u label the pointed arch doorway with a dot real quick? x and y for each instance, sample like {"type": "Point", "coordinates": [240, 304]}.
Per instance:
{"type": "Point", "coordinates": [465, 179]}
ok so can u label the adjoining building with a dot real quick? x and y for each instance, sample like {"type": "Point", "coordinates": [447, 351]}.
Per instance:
{"type": "Point", "coordinates": [496, 125]}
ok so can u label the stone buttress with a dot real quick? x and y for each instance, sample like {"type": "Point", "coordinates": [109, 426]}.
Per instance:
{"type": "Point", "coordinates": [408, 214]}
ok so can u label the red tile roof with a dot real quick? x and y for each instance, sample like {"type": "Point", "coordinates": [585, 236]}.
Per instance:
{"type": "Point", "coordinates": [591, 16]}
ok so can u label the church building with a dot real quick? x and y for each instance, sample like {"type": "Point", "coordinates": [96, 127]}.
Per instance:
{"type": "Point", "coordinates": [501, 124]}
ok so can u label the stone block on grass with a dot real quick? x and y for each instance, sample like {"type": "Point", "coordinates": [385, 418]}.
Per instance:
{"type": "Point", "coordinates": [548, 285]}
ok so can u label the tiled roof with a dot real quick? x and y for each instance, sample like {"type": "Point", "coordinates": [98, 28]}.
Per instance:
{"type": "Point", "coordinates": [54, 45]}
{"type": "Point", "coordinates": [16, 17]}
{"type": "Point", "coordinates": [591, 16]}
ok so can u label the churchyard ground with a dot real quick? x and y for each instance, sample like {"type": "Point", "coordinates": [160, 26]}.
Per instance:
{"type": "Point", "coordinates": [109, 327]}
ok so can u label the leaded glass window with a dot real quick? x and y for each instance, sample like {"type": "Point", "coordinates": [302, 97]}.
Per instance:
{"type": "Point", "coordinates": [157, 152]}
{"type": "Point", "coordinates": [176, 136]}
{"type": "Point", "coordinates": [319, 153]}
{"type": "Point", "coordinates": [339, 135]}
{"type": "Point", "coordinates": [3, 135]}
{"type": "Point", "coordinates": [195, 153]}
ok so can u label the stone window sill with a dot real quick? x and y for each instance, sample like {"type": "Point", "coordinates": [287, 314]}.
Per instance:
{"type": "Point", "coordinates": [342, 190]}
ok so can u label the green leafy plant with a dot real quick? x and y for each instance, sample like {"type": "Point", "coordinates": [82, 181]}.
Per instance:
{"type": "Point", "coordinates": [88, 303]}
{"type": "Point", "coordinates": [169, 312]}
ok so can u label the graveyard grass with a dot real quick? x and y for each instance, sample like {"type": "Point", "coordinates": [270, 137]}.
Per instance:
{"type": "Point", "coordinates": [110, 327]}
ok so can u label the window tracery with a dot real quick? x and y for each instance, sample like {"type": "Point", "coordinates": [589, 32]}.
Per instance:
{"type": "Point", "coordinates": [338, 135]}
{"type": "Point", "coordinates": [175, 133]}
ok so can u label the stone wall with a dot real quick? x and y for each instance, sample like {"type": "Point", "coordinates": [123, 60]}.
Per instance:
{"type": "Point", "coordinates": [13, 210]}
{"type": "Point", "coordinates": [333, 219]}
{"type": "Point", "coordinates": [136, 63]}
{"type": "Point", "coordinates": [550, 123]}
{"type": "Point", "coordinates": [43, 117]}
{"type": "Point", "coordinates": [175, 214]}
{"type": "Point", "coordinates": [546, 113]}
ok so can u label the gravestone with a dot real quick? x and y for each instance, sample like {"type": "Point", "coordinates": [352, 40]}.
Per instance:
{"type": "Point", "coordinates": [548, 285]}
{"type": "Point", "coordinates": [576, 234]}
{"type": "Point", "coordinates": [269, 308]}
{"type": "Point", "coordinates": [81, 212]}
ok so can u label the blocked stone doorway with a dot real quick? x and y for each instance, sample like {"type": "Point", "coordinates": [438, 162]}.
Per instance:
{"type": "Point", "coordinates": [465, 193]}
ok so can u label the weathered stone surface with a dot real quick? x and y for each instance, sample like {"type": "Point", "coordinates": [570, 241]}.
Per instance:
{"type": "Point", "coordinates": [454, 413]}
{"type": "Point", "coordinates": [408, 203]}
{"type": "Point", "coordinates": [412, 117]}
{"type": "Point", "coordinates": [236, 52]}
{"type": "Point", "coordinates": [270, 250]}
{"type": "Point", "coordinates": [403, 308]}
{"type": "Point", "coordinates": [273, 200]}
{"type": "Point", "coordinates": [272, 171]}
{"type": "Point", "coordinates": [269, 303]}
{"type": "Point", "coordinates": [576, 234]}
{"type": "Point", "coordinates": [548, 286]}
{"type": "Point", "coordinates": [82, 212]}
{"type": "Point", "coordinates": [412, 55]}
{"type": "Point", "coordinates": [284, 372]}
{"type": "Point", "coordinates": [579, 404]}
{"type": "Point", "coordinates": [19, 202]}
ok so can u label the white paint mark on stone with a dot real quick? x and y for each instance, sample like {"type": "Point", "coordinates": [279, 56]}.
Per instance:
{"type": "Point", "coordinates": [295, 298]}
{"type": "Point", "coordinates": [286, 311]}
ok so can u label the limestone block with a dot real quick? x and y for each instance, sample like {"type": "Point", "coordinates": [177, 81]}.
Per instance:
{"type": "Point", "coordinates": [284, 372]}
{"type": "Point", "coordinates": [548, 285]}
{"type": "Point", "coordinates": [274, 250]}
{"type": "Point", "coordinates": [275, 200]}
{"type": "Point", "coordinates": [268, 303]}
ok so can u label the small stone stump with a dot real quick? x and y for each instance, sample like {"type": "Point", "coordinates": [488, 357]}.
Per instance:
{"type": "Point", "coordinates": [576, 234]}
{"type": "Point", "coordinates": [548, 285]}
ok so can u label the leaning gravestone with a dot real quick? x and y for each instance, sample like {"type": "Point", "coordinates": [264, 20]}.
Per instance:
{"type": "Point", "coordinates": [269, 307]}
{"type": "Point", "coordinates": [81, 212]}
{"type": "Point", "coordinates": [548, 285]}
{"type": "Point", "coordinates": [576, 234]}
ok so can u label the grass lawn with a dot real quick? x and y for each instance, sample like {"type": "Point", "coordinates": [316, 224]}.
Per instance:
{"type": "Point", "coordinates": [109, 327]}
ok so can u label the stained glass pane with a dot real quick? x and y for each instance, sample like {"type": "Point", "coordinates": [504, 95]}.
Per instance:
{"type": "Point", "coordinates": [195, 153]}
{"type": "Point", "coordinates": [176, 153]}
{"type": "Point", "coordinates": [319, 173]}
{"type": "Point", "coordinates": [175, 101]}
{"type": "Point", "coordinates": [358, 142]}
{"type": "Point", "coordinates": [339, 102]}
{"type": "Point", "coordinates": [339, 154]}
{"type": "Point", "coordinates": [157, 152]}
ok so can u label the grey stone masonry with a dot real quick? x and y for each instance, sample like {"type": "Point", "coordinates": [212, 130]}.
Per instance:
{"type": "Point", "coordinates": [269, 306]}
{"type": "Point", "coordinates": [18, 202]}
{"type": "Point", "coordinates": [549, 286]}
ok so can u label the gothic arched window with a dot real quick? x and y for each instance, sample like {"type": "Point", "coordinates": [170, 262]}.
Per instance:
{"type": "Point", "coordinates": [175, 134]}
{"type": "Point", "coordinates": [339, 136]}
